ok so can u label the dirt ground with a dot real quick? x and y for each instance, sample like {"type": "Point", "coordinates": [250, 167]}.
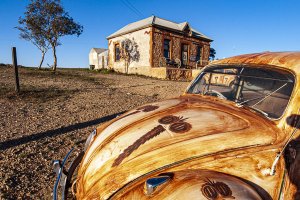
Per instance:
{"type": "Point", "coordinates": [55, 112]}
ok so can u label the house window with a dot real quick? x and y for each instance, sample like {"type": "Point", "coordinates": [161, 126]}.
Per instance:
{"type": "Point", "coordinates": [117, 52]}
{"type": "Point", "coordinates": [167, 48]}
{"type": "Point", "coordinates": [199, 53]}
{"type": "Point", "coordinates": [184, 54]}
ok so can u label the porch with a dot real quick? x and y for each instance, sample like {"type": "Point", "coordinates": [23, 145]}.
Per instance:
{"type": "Point", "coordinates": [172, 73]}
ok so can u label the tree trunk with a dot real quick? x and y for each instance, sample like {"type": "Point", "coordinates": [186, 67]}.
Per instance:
{"type": "Point", "coordinates": [55, 58]}
{"type": "Point", "coordinates": [126, 63]}
{"type": "Point", "coordinates": [42, 60]}
{"type": "Point", "coordinates": [127, 66]}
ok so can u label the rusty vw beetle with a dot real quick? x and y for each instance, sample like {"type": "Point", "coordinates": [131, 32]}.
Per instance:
{"type": "Point", "coordinates": [213, 142]}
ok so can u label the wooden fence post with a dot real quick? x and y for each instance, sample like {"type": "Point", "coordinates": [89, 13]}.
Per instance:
{"type": "Point", "coordinates": [15, 64]}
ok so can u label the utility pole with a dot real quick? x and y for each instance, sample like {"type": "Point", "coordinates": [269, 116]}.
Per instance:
{"type": "Point", "coordinates": [15, 64]}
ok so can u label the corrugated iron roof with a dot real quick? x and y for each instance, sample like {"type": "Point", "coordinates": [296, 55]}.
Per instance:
{"type": "Point", "coordinates": [157, 21]}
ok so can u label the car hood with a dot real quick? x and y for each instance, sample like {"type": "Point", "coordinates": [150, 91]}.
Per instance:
{"type": "Point", "coordinates": [161, 134]}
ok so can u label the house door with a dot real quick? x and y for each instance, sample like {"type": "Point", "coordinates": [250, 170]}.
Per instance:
{"type": "Point", "coordinates": [184, 54]}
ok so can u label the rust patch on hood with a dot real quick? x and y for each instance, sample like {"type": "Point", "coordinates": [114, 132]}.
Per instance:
{"type": "Point", "coordinates": [177, 125]}
{"type": "Point", "coordinates": [216, 190]}
{"type": "Point", "coordinates": [146, 108]}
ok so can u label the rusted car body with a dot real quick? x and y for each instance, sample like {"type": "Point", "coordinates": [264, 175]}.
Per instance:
{"type": "Point", "coordinates": [207, 143]}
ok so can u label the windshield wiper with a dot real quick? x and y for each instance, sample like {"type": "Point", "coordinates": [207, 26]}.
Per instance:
{"type": "Point", "coordinates": [263, 98]}
{"type": "Point", "coordinates": [260, 111]}
{"type": "Point", "coordinates": [268, 95]}
{"type": "Point", "coordinates": [243, 102]}
{"type": "Point", "coordinates": [253, 108]}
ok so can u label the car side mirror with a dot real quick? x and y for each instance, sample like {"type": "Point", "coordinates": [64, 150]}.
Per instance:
{"type": "Point", "coordinates": [293, 120]}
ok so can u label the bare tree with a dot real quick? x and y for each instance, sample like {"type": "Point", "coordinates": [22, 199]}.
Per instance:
{"type": "Point", "coordinates": [48, 20]}
{"type": "Point", "coordinates": [129, 52]}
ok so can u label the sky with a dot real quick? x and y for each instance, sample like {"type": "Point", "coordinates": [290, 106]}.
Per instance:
{"type": "Point", "coordinates": [236, 26]}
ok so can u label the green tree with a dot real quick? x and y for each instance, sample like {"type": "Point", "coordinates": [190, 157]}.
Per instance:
{"type": "Point", "coordinates": [212, 53]}
{"type": "Point", "coordinates": [48, 20]}
{"type": "Point", "coordinates": [28, 27]}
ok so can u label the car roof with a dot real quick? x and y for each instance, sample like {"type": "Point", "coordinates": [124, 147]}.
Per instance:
{"type": "Point", "coordinates": [287, 60]}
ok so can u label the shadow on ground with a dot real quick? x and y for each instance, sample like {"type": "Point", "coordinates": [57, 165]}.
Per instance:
{"type": "Point", "coordinates": [51, 133]}
{"type": "Point", "coordinates": [37, 94]}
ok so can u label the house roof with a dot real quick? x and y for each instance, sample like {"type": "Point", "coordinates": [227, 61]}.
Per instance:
{"type": "Point", "coordinates": [156, 21]}
{"type": "Point", "coordinates": [98, 50]}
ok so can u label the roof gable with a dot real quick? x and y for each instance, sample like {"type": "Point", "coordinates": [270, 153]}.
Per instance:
{"type": "Point", "coordinates": [98, 50]}
{"type": "Point", "coordinates": [185, 26]}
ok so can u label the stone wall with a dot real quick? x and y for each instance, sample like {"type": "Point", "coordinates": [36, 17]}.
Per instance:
{"type": "Point", "coordinates": [176, 40]}
{"type": "Point", "coordinates": [179, 74]}
{"type": "Point", "coordinates": [157, 46]}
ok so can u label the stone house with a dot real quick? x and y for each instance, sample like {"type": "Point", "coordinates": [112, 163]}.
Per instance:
{"type": "Point", "coordinates": [98, 58]}
{"type": "Point", "coordinates": [158, 48]}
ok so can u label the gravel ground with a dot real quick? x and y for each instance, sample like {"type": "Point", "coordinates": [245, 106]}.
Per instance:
{"type": "Point", "coordinates": [55, 112]}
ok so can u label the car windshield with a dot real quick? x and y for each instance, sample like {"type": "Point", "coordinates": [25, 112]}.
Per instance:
{"type": "Point", "coordinates": [266, 90]}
